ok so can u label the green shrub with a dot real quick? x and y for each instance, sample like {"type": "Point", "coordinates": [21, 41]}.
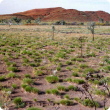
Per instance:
{"type": "Point", "coordinates": [67, 96]}
{"type": "Point", "coordinates": [13, 69]}
{"type": "Point", "coordinates": [28, 89]}
{"type": "Point", "coordinates": [61, 88]}
{"type": "Point", "coordinates": [68, 63]}
{"type": "Point", "coordinates": [38, 73]}
{"type": "Point", "coordinates": [71, 87]}
{"type": "Point", "coordinates": [83, 66]}
{"type": "Point", "coordinates": [32, 64]}
{"type": "Point", "coordinates": [55, 92]}
{"type": "Point", "coordinates": [101, 93]}
{"type": "Point", "coordinates": [91, 70]}
{"type": "Point", "coordinates": [14, 86]}
{"type": "Point", "coordinates": [17, 100]}
{"type": "Point", "coordinates": [11, 75]}
{"type": "Point", "coordinates": [69, 80]}
{"type": "Point", "coordinates": [28, 81]}
{"type": "Point", "coordinates": [2, 78]}
{"type": "Point", "coordinates": [79, 81]}
{"type": "Point", "coordinates": [27, 76]}
{"type": "Point", "coordinates": [66, 102]}
{"type": "Point", "coordinates": [33, 108]}
{"type": "Point", "coordinates": [58, 68]}
{"type": "Point", "coordinates": [35, 90]}
{"type": "Point", "coordinates": [48, 92]}
{"type": "Point", "coordinates": [77, 99]}
{"type": "Point", "coordinates": [75, 74]}
{"type": "Point", "coordinates": [89, 103]}
{"type": "Point", "coordinates": [24, 85]}
{"type": "Point", "coordinates": [52, 79]}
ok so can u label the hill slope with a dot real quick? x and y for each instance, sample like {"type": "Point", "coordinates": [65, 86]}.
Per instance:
{"type": "Point", "coordinates": [58, 13]}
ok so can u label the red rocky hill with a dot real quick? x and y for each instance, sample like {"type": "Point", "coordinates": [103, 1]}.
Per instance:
{"type": "Point", "coordinates": [58, 13]}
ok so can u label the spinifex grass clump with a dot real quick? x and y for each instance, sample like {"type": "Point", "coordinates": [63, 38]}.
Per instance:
{"type": "Point", "coordinates": [52, 79]}
{"type": "Point", "coordinates": [71, 87]}
{"type": "Point", "coordinates": [55, 92]}
{"type": "Point", "coordinates": [28, 81]}
{"type": "Point", "coordinates": [2, 78]}
{"type": "Point", "coordinates": [90, 103]}
{"type": "Point", "coordinates": [33, 108]}
{"type": "Point", "coordinates": [66, 102]}
{"type": "Point", "coordinates": [61, 88]}
{"type": "Point", "coordinates": [18, 102]}
{"type": "Point", "coordinates": [79, 81]}
{"type": "Point", "coordinates": [13, 69]}
{"type": "Point", "coordinates": [11, 75]}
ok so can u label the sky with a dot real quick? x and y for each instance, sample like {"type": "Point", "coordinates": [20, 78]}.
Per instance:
{"type": "Point", "coordinates": [13, 6]}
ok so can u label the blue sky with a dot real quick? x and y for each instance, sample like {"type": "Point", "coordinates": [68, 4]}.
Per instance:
{"type": "Point", "coordinates": [13, 6]}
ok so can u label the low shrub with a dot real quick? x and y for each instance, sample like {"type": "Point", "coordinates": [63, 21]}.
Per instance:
{"type": "Point", "coordinates": [52, 79]}
{"type": "Point", "coordinates": [75, 74]}
{"type": "Point", "coordinates": [71, 87]}
{"type": "Point", "coordinates": [55, 92]}
{"type": "Point", "coordinates": [66, 102]}
{"type": "Point", "coordinates": [11, 75]}
{"type": "Point", "coordinates": [2, 78]}
{"type": "Point", "coordinates": [79, 81]}
{"type": "Point", "coordinates": [13, 69]}
{"type": "Point", "coordinates": [28, 81]}
{"type": "Point", "coordinates": [33, 108]}
{"type": "Point", "coordinates": [89, 103]}
{"type": "Point", "coordinates": [61, 88]}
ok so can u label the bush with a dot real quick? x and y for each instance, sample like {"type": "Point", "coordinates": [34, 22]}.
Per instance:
{"type": "Point", "coordinates": [24, 85]}
{"type": "Point", "coordinates": [13, 69]}
{"type": "Point", "coordinates": [39, 73]}
{"type": "Point", "coordinates": [71, 87]}
{"type": "Point", "coordinates": [52, 79]}
{"type": "Point", "coordinates": [75, 74]}
{"type": "Point", "coordinates": [83, 66]}
{"type": "Point", "coordinates": [101, 93]}
{"type": "Point", "coordinates": [77, 99]}
{"type": "Point", "coordinates": [35, 90]}
{"type": "Point", "coordinates": [89, 103]}
{"type": "Point", "coordinates": [11, 75]}
{"type": "Point", "coordinates": [55, 92]}
{"type": "Point", "coordinates": [66, 102]}
{"type": "Point", "coordinates": [28, 81]}
{"type": "Point", "coordinates": [67, 96]}
{"type": "Point", "coordinates": [2, 78]}
{"type": "Point", "coordinates": [69, 80]}
{"type": "Point", "coordinates": [61, 88]}
{"type": "Point", "coordinates": [33, 108]}
{"type": "Point", "coordinates": [27, 76]}
{"type": "Point", "coordinates": [14, 86]}
{"type": "Point", "coordinates": [79, 81]}
{"type": "Point", "coordinates": [48, 92]}
{"type": "Point", "coordinates": [28, 89]}
{"type": "Point", "coordinates": [91, 70]}
{"type": "Point", "coordinates": [68, 63]}
{"type": "Point", "coordinates": [17, 100]}
{"type": "Point", "coordinates": [58, 68]}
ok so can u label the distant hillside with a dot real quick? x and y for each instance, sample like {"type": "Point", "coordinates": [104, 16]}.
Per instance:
{"type": "Point", "coordinates": [58, 13]}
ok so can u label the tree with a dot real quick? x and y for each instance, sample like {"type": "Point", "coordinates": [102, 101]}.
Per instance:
{"type": "Point", "coordinates": [91, 28]}
{"type": "Point", "coordinates": [53, 29]}
{"type": "Point", "coordinates": [38, 20]}
{"type": "Point", "coordinates": [101, 20]}
{"type": "Point", "coordinates": [28, 21]}
{"type": "Point", "coordinates": [17, 20]}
